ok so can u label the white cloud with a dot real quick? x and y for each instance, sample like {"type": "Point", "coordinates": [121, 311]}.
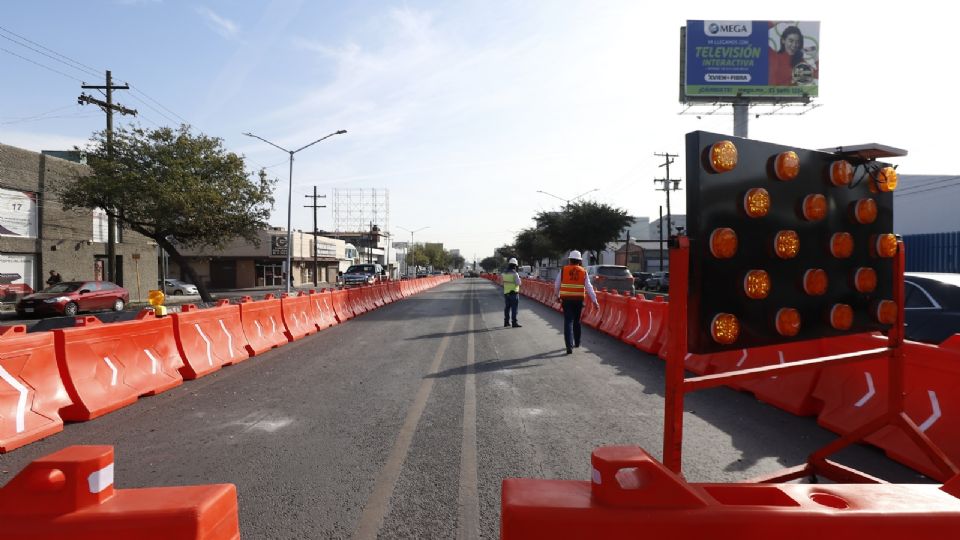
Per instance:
{"type": "Point", "coordinates": [221, 25]}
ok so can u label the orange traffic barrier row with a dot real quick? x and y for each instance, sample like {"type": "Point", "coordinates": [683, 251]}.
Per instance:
{"type": "Point", "coordinates": [70, 495]}
{"type": "Point", "coordinates": [297, 312]}
{"type": "Point", "coordinates": [630, 491]}
{"type": "Point", "coordinates": [91, 369]}
{"type": "Point", "coordinates": [108, 366]}
{"type": "Point", "coordinates": [209, 338]}
{"type": "Point", "coordinates": [31, 391]}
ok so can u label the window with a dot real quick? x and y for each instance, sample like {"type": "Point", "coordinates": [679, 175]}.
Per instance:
{"type": "Point", "coordinates": [915, 297]}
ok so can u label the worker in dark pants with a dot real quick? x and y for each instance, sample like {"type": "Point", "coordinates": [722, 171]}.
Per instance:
{"type": "Point", "coordinates": [572, 287]}
{"type": "Point", "coordinates": [511, 294]}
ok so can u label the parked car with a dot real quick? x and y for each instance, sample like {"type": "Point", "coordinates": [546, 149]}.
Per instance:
{"type": "Point", "coordinates": [660, 281]}
{"type": "Point", "coordinates": [71, 297]}
{"type": "Point", "coordinates": [177, 287]}
{"type": "Point", "coordinates": [10, 291]}
{"type": "Point", "coordinates": [640, 279]}
{"type": "Point", "coordinates": [363, 274]}
{"type": "Point", "coordinates": [931, 306]}
{"type": "Point", "coordinates": [611, 277]}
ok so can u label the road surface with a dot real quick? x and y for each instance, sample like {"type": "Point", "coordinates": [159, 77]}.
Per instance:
{"type": "Point", "coordinates": [402, 423]}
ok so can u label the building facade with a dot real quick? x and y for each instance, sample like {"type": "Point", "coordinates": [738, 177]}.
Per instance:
{"type": "Point", "coordinates": [37, 235]}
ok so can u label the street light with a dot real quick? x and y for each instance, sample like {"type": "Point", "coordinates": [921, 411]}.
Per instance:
{"type": "Point", "coordinates": [568, 201]}
{"type": "Point", "coordinates": [290, 195]}
{"type": "Point", "coordinates": [406, 266]}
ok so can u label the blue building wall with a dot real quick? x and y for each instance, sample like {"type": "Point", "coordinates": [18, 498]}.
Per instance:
{"type": "Point", "coordinates": [933, 252]}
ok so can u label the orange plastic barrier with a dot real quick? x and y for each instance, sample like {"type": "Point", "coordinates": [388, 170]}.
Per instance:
{"type": "Point", "coordinates": [614, 315]}
{"type": "Point", "coordinates": [341, 305]}
{"type": "Point", "coordinates": [70, 495]}
{"type": "Point", "coordinates": [852, 394]}
{"type": "Point", "coordinates": [107, 366]}
{"type": "Point", "coordinates": [791, 392]}
{"type": "Point", "coordinates": [633, 496]}
{"type": "Point", "coordinates": [209, 338]}
{"type": "Point", "coordinates": [355, 299]}
{"type": "Point", "coordinates": [655, 335]}
{"type": "Point", "coordinates": [932, 402]}
{"type": "Point", "coordinates": [592, 316]}
{"type": "Point", "coordinates": [262, 324]}
{"type": "Point", "coordinates": [296, 312]}
{"type": "Point", "coordinates": [324, 315]}
{"type": "Point", "coordinates": [31, 392]}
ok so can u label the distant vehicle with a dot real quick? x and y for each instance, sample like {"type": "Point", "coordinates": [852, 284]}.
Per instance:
{"type": "Point", "coordinates": [525, 270]}
{"type": "Point", "coordinates": [471, 273]}
{"type": "Point", "coordinates": [176, 287]}
{"type": "Point", "coordinates": [71, 297]}
{"type": "Point", "coordinates": [660, 281]}
{"type": "Point", "coordinates": [363, 274]}
{"type": "Point", "coordinates": [422, 273]}
{"type": "Point", "coordinates": [611, 277]}
{"type": "Point", "coordinates": [640, 279]}
{"type": "Point", "coordinates": [931, 306]}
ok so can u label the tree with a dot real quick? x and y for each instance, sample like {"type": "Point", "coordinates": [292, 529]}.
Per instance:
{"type": "Point", "coordinates": [490, 264]}
{"type": "Point", "coordinates": [417, 256]}
{"type": "Point", "coordinates": [178, 189]}
{"type": "Point", "coordinates": [587, 226]}
{"type": "Point", "coordinates": [457, 262]}
{"type": "Point", "coordinates": [533, 245]}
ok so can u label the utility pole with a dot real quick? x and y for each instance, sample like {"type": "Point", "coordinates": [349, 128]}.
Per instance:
{"type": "Point", "coordinates": [108, 107]}
{"type": "Point", "coordinates": [667, 160]}
{"type": "Point", "coordinates": [315, 207]}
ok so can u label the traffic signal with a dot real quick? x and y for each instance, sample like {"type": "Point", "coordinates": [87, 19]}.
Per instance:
{"type": "Point", "coordinates": [786, 244]}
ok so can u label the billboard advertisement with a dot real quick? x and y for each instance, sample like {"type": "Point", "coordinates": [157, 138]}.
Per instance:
{"type": "Point", "coordinates": [752, 59]}
{"type": "Point", "coordinates": [18, 213]}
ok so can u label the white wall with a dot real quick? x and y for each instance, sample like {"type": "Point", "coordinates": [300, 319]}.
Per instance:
{"type": "Point", "coordinates": [926, 204]}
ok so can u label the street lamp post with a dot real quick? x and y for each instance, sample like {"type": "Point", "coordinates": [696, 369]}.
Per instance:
{"type": "Point", "coordinates": [290, 194]}
{"type": "Point", "coordinates": [406, 265]}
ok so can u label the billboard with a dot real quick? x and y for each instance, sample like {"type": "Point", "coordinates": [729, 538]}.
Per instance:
{"type": "Point", "coordinates": [763, 60]}
{"type": "Point", "coordinates": [18, 213]}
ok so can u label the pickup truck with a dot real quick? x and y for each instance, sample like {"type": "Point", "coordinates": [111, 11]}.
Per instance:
{"type": "Point", "coordinates": [363, 274]}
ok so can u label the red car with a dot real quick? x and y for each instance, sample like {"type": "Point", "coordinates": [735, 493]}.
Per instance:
{"type": "Point", "coordinates": [71, 297]}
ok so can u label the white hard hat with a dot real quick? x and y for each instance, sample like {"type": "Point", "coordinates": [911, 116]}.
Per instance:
{"type": "Point", "coordinates": [513, 260]}
{"type": "Point", "coordinates": [575, 255]}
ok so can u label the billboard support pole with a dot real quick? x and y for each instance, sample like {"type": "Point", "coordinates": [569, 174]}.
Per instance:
{"type": "Point", "coordinates": [741, 118]}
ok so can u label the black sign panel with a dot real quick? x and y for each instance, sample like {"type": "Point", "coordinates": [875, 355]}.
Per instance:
{"type": "Point", "coordinates": [278, 245]}
{"type": "Point", "coordinates": [716, 285]}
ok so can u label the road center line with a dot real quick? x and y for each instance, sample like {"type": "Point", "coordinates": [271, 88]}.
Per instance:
{"type": "Point", "coordinates": [379, 502]}
{"type": "Point", "coordinates": [468, 526]}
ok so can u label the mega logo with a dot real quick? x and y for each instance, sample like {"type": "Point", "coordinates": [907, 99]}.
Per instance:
{"type": "Point", "coordinates": [728, 28]}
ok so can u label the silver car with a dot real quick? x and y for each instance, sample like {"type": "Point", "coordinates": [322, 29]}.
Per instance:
{"type": "Point", "coordinates": [177, 287]}
{"type": "Point", "coordinates": [611, 277]}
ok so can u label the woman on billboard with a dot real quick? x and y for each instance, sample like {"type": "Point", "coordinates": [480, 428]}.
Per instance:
{"type": "Point", "coordinates": [787, 65]}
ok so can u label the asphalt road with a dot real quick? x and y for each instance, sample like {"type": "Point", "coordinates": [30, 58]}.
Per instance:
{"type": "Point", "coordinates": [402, 423]}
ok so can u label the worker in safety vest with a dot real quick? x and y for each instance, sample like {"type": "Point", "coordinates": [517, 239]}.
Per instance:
{"type": "Point", "coordinates": [511, 294]}
{"type": "Point", "coordinates": [572, 286]}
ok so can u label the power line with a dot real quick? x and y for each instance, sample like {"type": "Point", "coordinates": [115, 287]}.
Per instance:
{"type": "Point", "coordinates": [916, 187]}
{"type": "Point", "coordinates": [8, 51]}
{"type": "Point", "coordinates": [184, 120]}
{"type": "Point", "coordinates": [54, 58]}
{"type": "Point", "coordinates": [89, 69]}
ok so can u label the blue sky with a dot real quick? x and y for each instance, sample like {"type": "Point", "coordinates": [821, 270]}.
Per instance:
{"type": "Point", "coordinates": [462, 109]}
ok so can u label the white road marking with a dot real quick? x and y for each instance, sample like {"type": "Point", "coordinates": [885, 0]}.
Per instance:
{"type": "Point", "coordinates": [229, 337]}
{"type": "Point", "coordinates": [205, 340]}
{"type": "Point", "coordinates": [935, 405]}
{"type": "Point", "coordinates": [113, 368]}
{"type": "Point", "coordinates": [21, 401]}
{"type": "Point", "coordinates": [870, 391]}
{"type": "Point", "coordinates": [468, 524]}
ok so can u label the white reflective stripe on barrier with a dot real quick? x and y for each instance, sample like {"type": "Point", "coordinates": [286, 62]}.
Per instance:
{"type": "Point", "coordinates": [205, 340]}
{"type": "Point", "coordinates": [100, 480]}
{"type": "Point", "coordinates": [229, 337]}
{"type": "Point", "coordinates": [113, 368]}
{"type": "Point", "coordinates": [21, 401]}
{"type": "Point", "coordinates": [870, 391]}
{"type": "Point", "coordinates": [153, 362]}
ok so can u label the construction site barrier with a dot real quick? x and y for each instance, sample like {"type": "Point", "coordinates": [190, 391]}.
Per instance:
{"type": "Point", "coordinates": [209, 338]}
{"type": "Point", "coordinates": [614, 314]}
{"type": "Point", "coordinates": [655, 336]}
{"type": "Point", "coordinates": [355, 298]}
{"type": "Point", "coordinates": [591, 315]}
{"type": "Point", "coordinates": [324, 315]}
{"type": "Point", "coordinates": [262, 324]}
{"type": "Point", "coordinates": [31, 392]}
{"type": "Point", "coordinates": [296, 311]}
{"type": "Point", "coordinates": [107, 366]}
{"type": "Point", "coordinates": [791, 392]}
{"type": "Point", "coordinates": [632, 495]}
{"type": "Point", "coordinates": [70, 495]}
{"type": "Point", "coordinates": [340, 299]}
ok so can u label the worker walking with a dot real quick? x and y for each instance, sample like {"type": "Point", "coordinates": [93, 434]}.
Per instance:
{"type": "Point", "coordinates": [511, 294]}
{"type": "Point", "coordinates": [572, 286]}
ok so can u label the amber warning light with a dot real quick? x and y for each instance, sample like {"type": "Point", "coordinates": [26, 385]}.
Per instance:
{"type": "Point", "coordinates": [805, 236]}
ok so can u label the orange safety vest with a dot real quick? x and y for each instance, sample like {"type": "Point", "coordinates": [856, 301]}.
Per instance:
{"type": "Point", "coordinates": [571, 282]}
